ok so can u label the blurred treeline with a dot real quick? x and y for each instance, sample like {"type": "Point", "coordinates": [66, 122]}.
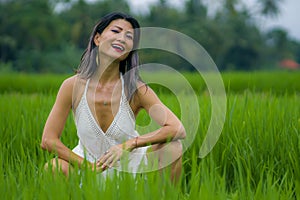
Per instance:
{"type": "Point", "coordinates": [50, 35]}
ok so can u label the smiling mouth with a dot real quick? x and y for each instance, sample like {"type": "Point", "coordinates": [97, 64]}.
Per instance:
{"type": "Point", "coordinates": [118, 47]}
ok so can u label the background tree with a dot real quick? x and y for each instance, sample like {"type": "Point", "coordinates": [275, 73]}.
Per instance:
{"type": "Point", "coordinates": [50, 35]}
{"type": "Point", "coordinates": [269, 7]}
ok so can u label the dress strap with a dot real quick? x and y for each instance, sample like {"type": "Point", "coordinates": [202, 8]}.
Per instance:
{"type": "Point", "coordinates": [86, 87]}
{"type": "Point", "coordinates": [122, 81]}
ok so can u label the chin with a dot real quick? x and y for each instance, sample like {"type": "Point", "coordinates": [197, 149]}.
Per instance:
{"type": "Point", "coordinates": [121, 57]}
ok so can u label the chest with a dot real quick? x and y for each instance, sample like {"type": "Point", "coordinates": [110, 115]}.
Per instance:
{"type": "Point", "coordinates": [104, 103]}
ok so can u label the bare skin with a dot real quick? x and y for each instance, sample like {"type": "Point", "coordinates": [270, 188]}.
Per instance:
{"type": "Point", "coordinates": [118, 32]}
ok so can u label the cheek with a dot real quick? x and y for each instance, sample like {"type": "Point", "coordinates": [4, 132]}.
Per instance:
{"type": "Point", "coordinates": [106, 39]}
{"type": "Point", "coordinates": [131, 45]}
{"type": "Point", "coordinates": [103, 44]}
{"type": "Point", "coordinates": [128, 48]}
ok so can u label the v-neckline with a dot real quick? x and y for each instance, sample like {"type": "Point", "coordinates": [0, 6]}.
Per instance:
{"type": "Point", "coordinates": [93, 117]}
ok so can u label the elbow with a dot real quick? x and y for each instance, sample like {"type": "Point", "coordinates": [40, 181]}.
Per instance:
{"type": "Point", "coordinates": [179, 132]}
{"type": "Point", "coordinates": [45, 144]}
{"type": "Point", "coordinates": [182, 132]}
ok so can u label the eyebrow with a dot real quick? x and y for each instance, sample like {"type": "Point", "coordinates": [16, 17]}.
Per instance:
{"type": "Point", "coordinates": [122, 28]}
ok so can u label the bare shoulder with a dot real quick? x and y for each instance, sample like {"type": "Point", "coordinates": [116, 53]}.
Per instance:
{"type": "Point", "coordinates": [144, 90]}
{"type": "Point", "coordinates": [66, 89]}
{"type": "Point", "coordinates": [68, 83]}
{"type": "Point", "coordinates": [145, 96]}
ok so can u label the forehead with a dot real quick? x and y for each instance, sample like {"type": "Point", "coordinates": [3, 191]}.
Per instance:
{"type": "Point", "coordinates": [121, 23]}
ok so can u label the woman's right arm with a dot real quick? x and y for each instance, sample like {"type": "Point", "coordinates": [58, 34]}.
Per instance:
{"type": "Point", "coordinates": [56, 122]}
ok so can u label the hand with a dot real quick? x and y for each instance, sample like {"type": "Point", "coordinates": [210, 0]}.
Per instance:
{"type": "Point", "coordinates": [110, 157]}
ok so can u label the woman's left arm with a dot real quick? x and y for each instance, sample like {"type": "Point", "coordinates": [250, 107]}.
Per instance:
{"type": "Point", "coordinates": [171, 126]}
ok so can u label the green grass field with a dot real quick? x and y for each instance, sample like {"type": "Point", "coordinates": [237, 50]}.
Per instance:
{"type": "Point", "coordinates": [256, 157]}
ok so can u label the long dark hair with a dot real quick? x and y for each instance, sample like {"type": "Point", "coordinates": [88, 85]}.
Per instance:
{"type": "Point", "coordinates": [128, 67]}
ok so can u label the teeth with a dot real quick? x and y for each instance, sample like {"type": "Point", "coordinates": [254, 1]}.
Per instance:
{"type": "Point", "coordinates": [118, 47]}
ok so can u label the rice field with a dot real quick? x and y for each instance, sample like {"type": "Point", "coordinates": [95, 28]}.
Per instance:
{"type": "Point", "coordinates": [256, 157]}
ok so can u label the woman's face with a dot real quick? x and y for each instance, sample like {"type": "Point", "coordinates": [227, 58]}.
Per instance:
{"type": "Point", "coordinates": [116, 40]}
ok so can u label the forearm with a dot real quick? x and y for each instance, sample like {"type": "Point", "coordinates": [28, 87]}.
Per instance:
{"type": "Point", "coordinates": [63, 152]}
{"type": "Point", "coordinates": [162, 135]}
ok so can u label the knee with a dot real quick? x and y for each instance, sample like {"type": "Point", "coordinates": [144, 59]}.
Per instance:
{"type": "Point", "coordinates": [173, 148]}
{"type": "Point", "coordinates": [46, 167]}
{"type": "Point", "coordinates": [170, 153]}
{"type": "Point", "coordinates": [57, 165]}
{"type": "Point", "coordinates": [50, 165]}
{"type": "Point", "coordinates": [177, 145]}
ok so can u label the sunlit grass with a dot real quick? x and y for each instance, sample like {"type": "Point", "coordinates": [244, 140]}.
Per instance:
{"type": "Point", "coordinates": [256, 157]}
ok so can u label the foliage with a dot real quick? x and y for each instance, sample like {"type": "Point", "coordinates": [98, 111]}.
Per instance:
{"type": "Point", "coordinates": [35, 34]}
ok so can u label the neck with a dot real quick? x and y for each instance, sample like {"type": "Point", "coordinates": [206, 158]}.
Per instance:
{"type": "Point", "coordinates": [108, 71]}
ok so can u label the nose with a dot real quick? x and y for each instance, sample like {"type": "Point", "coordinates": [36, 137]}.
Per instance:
{"type": "Point", "coordinates": [121, 38]}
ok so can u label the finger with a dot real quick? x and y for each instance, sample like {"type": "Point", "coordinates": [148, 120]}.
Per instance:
{"type": "Point", "coordinates": [98, 169]}
{"type": "Point", "coordinates": [114, 161]}
{"type": "Point", "coordinates": [98, 164]}
{"type": "Point", "coordinates": [108, 162]}
{"type": "Point", "coordinates": [103, 159]}
{"type": "Point", "coordinates": [117, 158]}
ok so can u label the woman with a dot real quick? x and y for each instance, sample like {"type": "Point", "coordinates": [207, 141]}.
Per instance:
{"type": "Point", "coordinates": [106, 95]}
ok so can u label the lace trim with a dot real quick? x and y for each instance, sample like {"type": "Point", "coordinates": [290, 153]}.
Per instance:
{"type": "Point", "coordinates": [114, 132]}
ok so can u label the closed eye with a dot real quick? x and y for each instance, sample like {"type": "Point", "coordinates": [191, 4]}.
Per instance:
{"type": "Point", "coordinates": [129, 36]}
{"type": "Point", "coordinates": [115, 31]}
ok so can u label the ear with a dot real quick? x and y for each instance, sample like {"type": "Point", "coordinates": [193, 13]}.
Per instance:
{"type": "Point", "coordinates": [97, 39]}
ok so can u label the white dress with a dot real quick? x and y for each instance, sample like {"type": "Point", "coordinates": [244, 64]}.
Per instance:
{"type": "Point", "coordinates": [93, 142]}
